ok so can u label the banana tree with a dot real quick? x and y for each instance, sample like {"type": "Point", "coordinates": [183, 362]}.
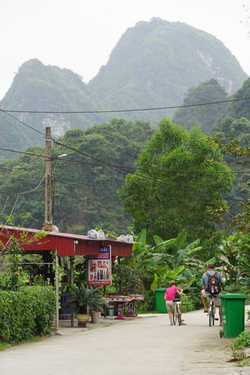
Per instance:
{"type": "Point", "coordinates": [160, 277]}
{"type": "Point", "coordinates": [170, 252]}
{"type": "Point", "coordinates": [235, 257]}
{"type": "Point", "coordinates": [170, 260]}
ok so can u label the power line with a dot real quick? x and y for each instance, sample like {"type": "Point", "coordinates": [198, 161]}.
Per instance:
{"type": "Point", "coordinates": [2, 110]}
{"type": "Point", "coordinates": [125, 110]}
{"type": "Point", "coordinates": [25, 192]}
{"type": "Point", "coordinates": [24, 153]}
{"type": "Point", "coordinates": [137, 174]}
{"type": "Point", "coordinates": [103, 163]}
{"type": "Point", "coordinates": [154, 169]}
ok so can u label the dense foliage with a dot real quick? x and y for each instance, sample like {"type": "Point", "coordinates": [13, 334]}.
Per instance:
{"type": "Point", "coordinates": [85, 190]}
{"type": "Point", "coordinates": [224, 121]}
{"type": "Point", "coordinates": [234, 124]}
{"type": "Point", "coordinates": [240, 108]}
{"type": "Point", "coordinates": [80, 298]}
{"type": "Point", "coordinates": [178, 185]}
{"type": "Point", "coordinates": [153, 267]}
{"type": "Point", "coordinates": [206, 116]}
{"type": "Point", "coordinates": [26, 313]}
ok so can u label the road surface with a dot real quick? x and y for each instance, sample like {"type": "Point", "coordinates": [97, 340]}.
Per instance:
{"type": "Point", "coordinates": [145, 345]}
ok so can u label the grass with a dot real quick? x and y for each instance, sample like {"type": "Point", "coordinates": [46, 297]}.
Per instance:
{"type": "Point", "coordinates": [4, 346]}
{"type": "Point", "coordinates": [244, 362]}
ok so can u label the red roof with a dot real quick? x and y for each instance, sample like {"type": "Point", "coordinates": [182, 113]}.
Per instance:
{"type": "Point", "coordinates": [66, 244]}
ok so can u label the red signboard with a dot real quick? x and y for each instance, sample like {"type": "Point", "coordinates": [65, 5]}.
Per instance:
{"type": "Point", "coordinates": [99, 267]}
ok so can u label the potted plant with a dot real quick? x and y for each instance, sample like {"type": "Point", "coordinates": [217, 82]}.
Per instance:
{"type": "Point", "coordinates": [82, 297]}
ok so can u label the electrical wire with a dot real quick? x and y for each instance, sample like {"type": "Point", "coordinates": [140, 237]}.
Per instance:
{"type": "Point", "coordinates": [110, 165]}
{"type": "Point", "coordinates": [136, 174]}
{"type": "Point", "coordinates": [24, 192]}
{"type": "Point", "coordinates": [124, 110]}
{"type": "Point", "coordinates": [70, 183]}
{"type": "Point", "coordinates": [101, 164]}
{"type": "Point", "coordinates": [25, 182]}
{"type": "Point", "coordinates": [154, 169]}
{"type": "Point", "coordinates": [105, 163]}
{"type": "Point", "coordinates": [22, 152]}
{"type": "Point", "coordinates": [6, 112]}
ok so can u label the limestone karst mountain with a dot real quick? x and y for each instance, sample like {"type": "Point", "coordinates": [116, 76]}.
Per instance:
{"type": "Point", "coordinates": [154, 64]}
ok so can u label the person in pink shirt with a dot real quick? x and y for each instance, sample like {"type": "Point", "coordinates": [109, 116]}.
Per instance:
{"type": "Point", "coordinates": [170, 296]}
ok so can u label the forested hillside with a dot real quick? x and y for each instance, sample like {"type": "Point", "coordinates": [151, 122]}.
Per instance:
{"type": "Point", "coordinates": [234, 122]}
{"type": "Point", "coordinates": [48, 88]}
{"type": "Point", "coordinates": [85, 190]}
{"type": "Point", "coordinates": [206, 116]}
{"type": "Point", "coordinates": [241, 108]}
{"type": "Point", "coordinates": [223, 121]}
{"type": "Point", "coordinates": [154, 64]}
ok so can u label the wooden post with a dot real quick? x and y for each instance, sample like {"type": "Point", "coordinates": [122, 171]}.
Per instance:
{"type": "Point", "coordinates": [71, 284]}
{"type": "Point", "coordinates": [57, 294]}
{"type": "Point", "coordinates": [48, 225]}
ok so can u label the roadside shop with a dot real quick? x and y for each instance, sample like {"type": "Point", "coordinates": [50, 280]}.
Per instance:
{"type": "Point", "coordinates": [69, 245]}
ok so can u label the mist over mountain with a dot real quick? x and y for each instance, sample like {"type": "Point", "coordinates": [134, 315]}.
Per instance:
{"type": "Point", "coordinates": [209, 117]}
{"type": "Point", "coordinates": [206, 116]}
{"type": "Point", "coordinates": [154, 64]}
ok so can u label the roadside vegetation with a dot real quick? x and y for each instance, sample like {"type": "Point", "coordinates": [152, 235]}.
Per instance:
{"type": "Point", "coordinates": [25, 311]}
{"type": "Point", "coordinates": [241, 349]}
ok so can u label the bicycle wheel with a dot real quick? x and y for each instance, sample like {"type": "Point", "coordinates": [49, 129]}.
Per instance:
{"type": "Point", "coordinates": [210, 317]}
{"type": "Point", "coordinates": [174, 315]}
{"type": "Point", "coordinates": [213, 313]}
{"type": "Point", "coordinates": [179, 315]}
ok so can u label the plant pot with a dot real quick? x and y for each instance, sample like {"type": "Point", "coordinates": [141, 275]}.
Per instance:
{"type": "Point", "coordinates": [95, 317]}
{"type": "Point", "coordinates": [82, 319]}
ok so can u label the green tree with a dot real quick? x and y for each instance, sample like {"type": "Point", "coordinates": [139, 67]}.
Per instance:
{"type": "Point", "coordinates": [178, 185]}
{"type": "Point", "coordinates": [234, 258]}
{"type": "Point", "coordinates": [207, 115]}
{"type": "Point", "coordinates": [84, 189]}
{"type": "Point", "coordinates": [233, 136]}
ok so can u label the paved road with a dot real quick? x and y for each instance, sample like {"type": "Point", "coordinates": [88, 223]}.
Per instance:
{"type": "Point", "coordinates": [144, 345]}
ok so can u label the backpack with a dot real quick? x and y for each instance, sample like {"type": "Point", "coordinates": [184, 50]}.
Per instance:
{"type": "Point", "coordinates": [213, 285]}
{"type": "Point", "coordinates": [177, 294]}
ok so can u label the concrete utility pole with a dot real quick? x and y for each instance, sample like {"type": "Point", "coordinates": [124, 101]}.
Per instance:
{"type": "Point", "coordinates": [48, 225]}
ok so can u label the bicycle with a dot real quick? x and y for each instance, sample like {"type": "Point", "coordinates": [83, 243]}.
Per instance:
{"type": "Point", "coordinates": [211, 311]}
{"type": "Point", "coordinates": [177, 311]}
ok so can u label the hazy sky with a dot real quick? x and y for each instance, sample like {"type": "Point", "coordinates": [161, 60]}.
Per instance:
{"type": "Point", "coordinates": [80, 34]}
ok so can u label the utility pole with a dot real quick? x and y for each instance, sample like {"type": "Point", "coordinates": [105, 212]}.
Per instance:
{"type": "Point", "coordinates": [48, 225]}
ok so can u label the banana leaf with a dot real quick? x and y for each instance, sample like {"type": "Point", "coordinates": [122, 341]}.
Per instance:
{"type": "Point", "coordinates": [179, 241]}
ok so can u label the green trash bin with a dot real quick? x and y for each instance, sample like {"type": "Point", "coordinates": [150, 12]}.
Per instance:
{"type": "Point", "coordinates": [160, 301]}
{"type": "Point", "coordinates": [233, 314]}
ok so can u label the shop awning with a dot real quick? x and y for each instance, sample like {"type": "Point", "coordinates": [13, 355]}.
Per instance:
{"type": "Point", "coordinates": [66, 244]}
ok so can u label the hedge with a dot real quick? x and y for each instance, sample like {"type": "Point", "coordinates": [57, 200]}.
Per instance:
{"type": "Point", "coordinates": [26, 313]}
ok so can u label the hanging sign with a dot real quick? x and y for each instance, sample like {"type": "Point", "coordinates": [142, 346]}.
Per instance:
{"type": "Point", "coordinates": [99, 267]}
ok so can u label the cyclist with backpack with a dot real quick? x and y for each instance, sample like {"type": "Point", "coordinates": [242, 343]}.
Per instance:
{"type": "Point", "coordinates": [212, 284]}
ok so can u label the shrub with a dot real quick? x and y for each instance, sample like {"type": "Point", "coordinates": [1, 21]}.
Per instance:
{"type": "Point", "coordinates": [242, 341]}
{"type": "Point", "coordinates": [187, 304]}
{"type": "Point", "coordinates": [240, 344]}
{"type": "Point", "coordinates": [26, 313]}
{"type": "Point", "coordinates": [241, 289]}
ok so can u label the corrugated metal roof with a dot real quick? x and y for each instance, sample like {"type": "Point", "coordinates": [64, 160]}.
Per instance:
{"type": "Point", "coordinates": [64, 243]}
